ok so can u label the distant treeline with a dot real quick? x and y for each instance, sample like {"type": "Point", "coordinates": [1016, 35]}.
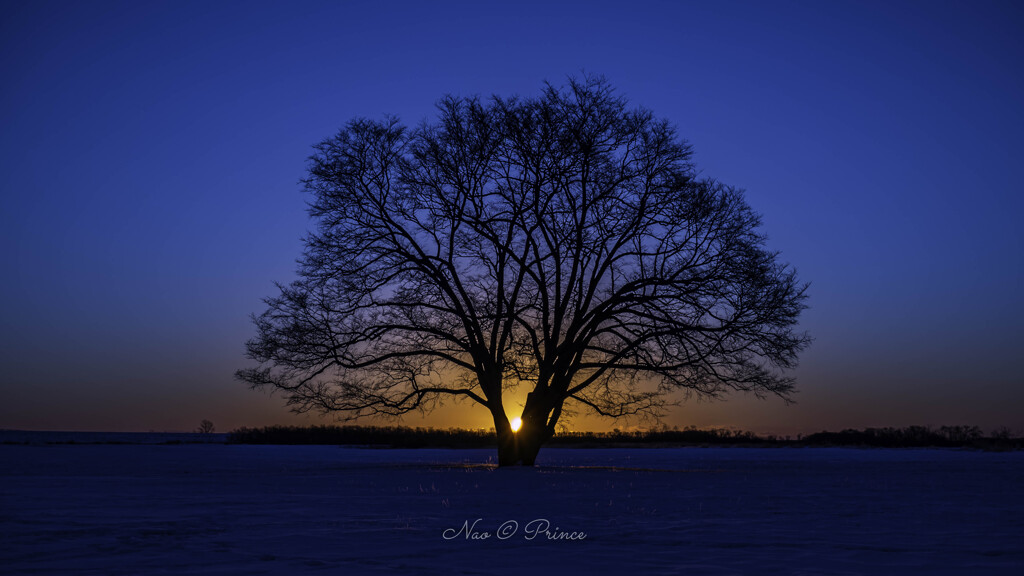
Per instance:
{"type": "Point", "coordinates": [919, 437]}
{"type": "Point", "coordinates": [406, 437]}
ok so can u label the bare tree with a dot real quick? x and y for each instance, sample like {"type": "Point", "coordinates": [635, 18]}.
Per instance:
{"type": "Point", "coordinates": [563, 243]}
{"type": "Point", "coordinates": [205, 427]}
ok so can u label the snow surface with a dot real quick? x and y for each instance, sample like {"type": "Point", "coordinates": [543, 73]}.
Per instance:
{"type": "Point", "coordinates": [235, 509]}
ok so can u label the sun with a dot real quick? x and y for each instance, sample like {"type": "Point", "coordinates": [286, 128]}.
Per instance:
{"type": "Point", "coordinates": [517, 423]}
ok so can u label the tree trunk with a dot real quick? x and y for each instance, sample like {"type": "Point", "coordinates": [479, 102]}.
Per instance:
{"type": "Point", "coordinates": [519, 447]}
{"type": "Point", "coordinates": [530, 441]}
{"type": "Point", "coordinates": [508, 449]}
{"type": "Point", "coordinates": [522, 446]}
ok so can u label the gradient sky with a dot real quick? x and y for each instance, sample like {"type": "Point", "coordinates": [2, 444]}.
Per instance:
{"type": "Point", "coordinates": [151, 153]}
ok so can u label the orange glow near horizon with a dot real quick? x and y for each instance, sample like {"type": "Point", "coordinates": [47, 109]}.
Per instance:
{"type": "Point", "coordinates": [516, 423]}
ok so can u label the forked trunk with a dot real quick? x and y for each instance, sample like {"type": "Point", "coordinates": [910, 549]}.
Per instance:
{"type": "Point", "coordinates": [523, 445]}
{"type": "Point", "coordinates": [520, 447]}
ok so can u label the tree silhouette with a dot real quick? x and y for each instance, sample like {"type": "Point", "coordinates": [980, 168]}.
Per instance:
{"type": "Point", "coordinates": [564, 243]}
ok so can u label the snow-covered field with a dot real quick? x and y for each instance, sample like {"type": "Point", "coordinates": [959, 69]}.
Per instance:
{"type": "Point", "coordinates": [230, 509]}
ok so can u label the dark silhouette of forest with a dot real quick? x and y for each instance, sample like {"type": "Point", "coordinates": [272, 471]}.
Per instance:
{"type": "Point", "coordinates": [966, 437]}
{"type": "Point", "coordinates": [407, 437]}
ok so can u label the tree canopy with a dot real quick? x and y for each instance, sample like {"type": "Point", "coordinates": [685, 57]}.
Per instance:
{"type": "Point", "coordinates": [563, 242]}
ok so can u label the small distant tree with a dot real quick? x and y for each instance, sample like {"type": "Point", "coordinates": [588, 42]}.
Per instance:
{"type": "Point", "coordinates": [205, 427]}
{"type": "Point", "coordinates": [564, 243]}
{"type": "Point", "coordinates": [1002, 433]}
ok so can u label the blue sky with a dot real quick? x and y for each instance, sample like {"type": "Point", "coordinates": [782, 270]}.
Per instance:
{"type": "Point", "coordinates": [152, 150]}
